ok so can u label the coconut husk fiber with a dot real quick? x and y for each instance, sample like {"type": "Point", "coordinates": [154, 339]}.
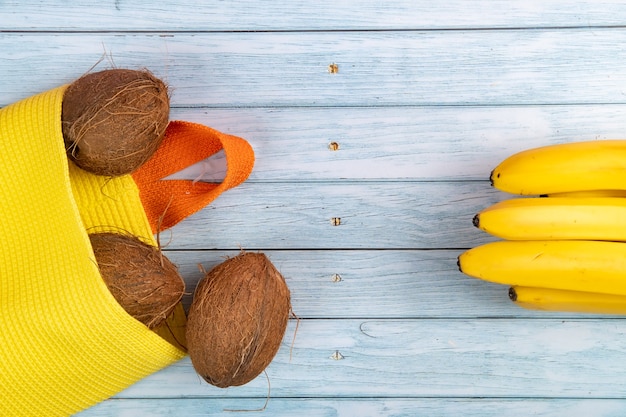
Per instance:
{"type": "Point", "coordinates": [114, 120]}
{"type": "Point", "coordinates": [237, 320]}
{"type": "Point", "coordinates": [142, 280]}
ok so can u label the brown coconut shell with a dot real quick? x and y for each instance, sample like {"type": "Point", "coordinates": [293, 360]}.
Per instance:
{"type": "Point", "coordinates": [237, 320]}
{"type": "Point", "coordinates": [114, 120]}
{"type": "Point", "coordinates": [142, 280]}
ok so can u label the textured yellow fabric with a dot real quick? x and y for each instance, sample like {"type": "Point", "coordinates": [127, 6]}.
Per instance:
{"type": "Point", "coordinates": [65, 343]}
{"type": "Point", "coordinates": [109, 204]}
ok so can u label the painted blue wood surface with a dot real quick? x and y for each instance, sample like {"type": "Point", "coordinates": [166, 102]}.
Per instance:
{"type": "Point", "coordinates": [375, 68]}
{"type": "Point", "coordinates": [428, 97]}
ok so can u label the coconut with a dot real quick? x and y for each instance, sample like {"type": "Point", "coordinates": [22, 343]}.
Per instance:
{"type": "Point", "coordinates": [142, 280]}
{"type": "Point", "coordinates": [114, 120]}
{"type": "Point", "coordinates": [237, 320]}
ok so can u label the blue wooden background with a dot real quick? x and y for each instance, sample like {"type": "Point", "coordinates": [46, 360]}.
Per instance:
{"type": "Point", "coordinates": [426, 98]}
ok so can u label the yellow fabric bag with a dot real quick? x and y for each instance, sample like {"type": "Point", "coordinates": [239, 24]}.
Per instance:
{"type": "Point", "coordinates": [65, 343]}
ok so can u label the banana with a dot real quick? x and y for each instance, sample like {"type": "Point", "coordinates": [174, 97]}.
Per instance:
{"type": "Point", "coordinates": [576, 265]}
{"type": "Point", "coordinates": [564, 218]}
{"type": "Point", "coordinates": [572, 301]}
{"type": "Point", "coordinates": [589, 193]}
{"type": "Point", "coordinates": [576, 166]}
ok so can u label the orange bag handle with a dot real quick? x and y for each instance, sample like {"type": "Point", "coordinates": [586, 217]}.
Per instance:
{"type": "Point", "coordinates": [167, 202]}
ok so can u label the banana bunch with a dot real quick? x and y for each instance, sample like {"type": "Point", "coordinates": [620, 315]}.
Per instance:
{"type": "Point", "coordinates": [563, 244]}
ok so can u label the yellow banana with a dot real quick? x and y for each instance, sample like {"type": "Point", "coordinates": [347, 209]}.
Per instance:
{"type": "Point", "coordinates": [572, 301]}
{"type": "Point", "coordinates": [577, 166]}
{"type": "Point", "coordinates": [577, 265]}
{"type": "Point", "coordinates": [589, 193]}
{"type": "Point", "coordinates": [590, 218]}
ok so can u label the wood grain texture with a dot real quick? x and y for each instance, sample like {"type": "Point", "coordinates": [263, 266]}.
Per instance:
{"type": "Point", "coordinates": [363, 407]}
{"type": "Point", "coordinates": [573, 66]}
{"type": "Point", "coordinates": [431, 143]}
{"type": "Point", "coordinates": [374, 284]}
{"type": "Point", "coordinates": [373, 215]}
{"type": "Point", "coordinates": [429, 358]}
{"type": "Point", "coordinates": [299, 15]}
{"type": "Point", "coordinates": [330, 284]}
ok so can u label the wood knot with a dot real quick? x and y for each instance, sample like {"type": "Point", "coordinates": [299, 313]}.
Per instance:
{"type": "Point", "coordinates": [337, 356]}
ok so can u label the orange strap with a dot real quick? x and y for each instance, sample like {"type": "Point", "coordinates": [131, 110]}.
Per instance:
{"type": "Point", "coordinates": [167, 202]}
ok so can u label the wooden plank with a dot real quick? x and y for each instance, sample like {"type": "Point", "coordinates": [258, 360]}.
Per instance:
{"type": "Point", "coordinates": [370, 215]}
{"type": "Point", "coordinates": [578, 66]}
{"type": "Point", "coordinates": [479, 358]}
{"type": "Point", "coordinates": [425, 143]}
{"type": "Point", "coordinates": [330, 284]}
{"type": "Point", "coordinates": [363, 407]}
{"type": "Point", "coordinates": [187, 15]}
